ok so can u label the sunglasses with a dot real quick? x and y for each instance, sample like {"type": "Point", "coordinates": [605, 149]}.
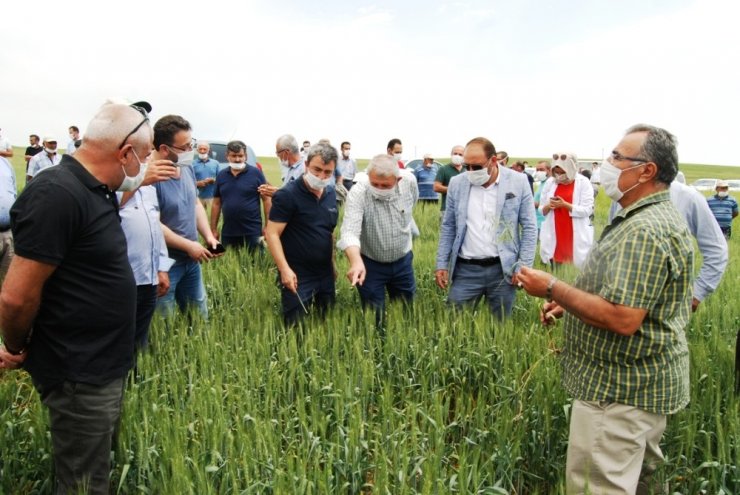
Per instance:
{"type": "Point", "coordinates": [562, 157]}
{"type": "Point", "coordinates": [470, 168]}
{"type": "Point", "coordinates": [143, 112]}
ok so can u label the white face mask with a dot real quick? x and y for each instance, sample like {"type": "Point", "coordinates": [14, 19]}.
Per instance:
{"type": "Point", "coordinates": [540, 175]}
{"type": "Point", "coordinates": [50, 151]}
{"type": "Point", "coordinates": [203, 156]}
{"type": "Point", "coordinates": [722, 194]}
{"type": "Point", "coordinates": [610, 180]}
{"type": "Point", "coordinates": [382, 194]}
{"type": "Point", "coordinates": [284, 164]}
{"type": "Point", "coordinates": [316, 183]}
{"type": "Point", "coordinates": [185, 159]}
{"type": "Point", "coordinates": [345, 153]}
{"type": "Point", "coordinates": [478, 177]}
{"type": "Point", "coordinates": [132, 183]}
{"type": "Point", "coordinates": [457, 160]}
{"type": "Point", "coordinates": [237, 166]}
{"type": "Point", "coordinates": [560, 178]}
{"type": "Point", "coordinates": [398, 156]}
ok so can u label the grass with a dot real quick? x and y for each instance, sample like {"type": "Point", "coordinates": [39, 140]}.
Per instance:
{"type": "Point", "coordinates": [446, 403]}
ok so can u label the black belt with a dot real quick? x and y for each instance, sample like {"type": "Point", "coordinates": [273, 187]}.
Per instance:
{"type": "Point", "coordinates": [481, 261]}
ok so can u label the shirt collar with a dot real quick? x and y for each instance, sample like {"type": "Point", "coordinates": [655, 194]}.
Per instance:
{"type": "Point", "coordinates": [657, 197]}
{"type": "Point", "coordinates": [81, 173]}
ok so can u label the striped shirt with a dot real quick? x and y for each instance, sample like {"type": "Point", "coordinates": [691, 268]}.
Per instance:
{"type": "Point", "coordinates": [723, 209]}
{"type": "Point", "coordinates": [644, 259]}
{"type": "Point", "coordinates": [382, 228]}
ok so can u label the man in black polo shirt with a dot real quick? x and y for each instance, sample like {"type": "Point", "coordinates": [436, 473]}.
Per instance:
{"type": "Point", "coordinates": [70, 281]}
{"type": "Point", "coordinates": [299, 235]}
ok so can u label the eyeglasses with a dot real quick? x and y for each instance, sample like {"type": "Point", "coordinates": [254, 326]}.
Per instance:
{"type": "Point", "coordinates": [617, 156]}
{"type": "Point", "coordinates": [470, 167]}
{"type": "Point", "coordinates": [187, 147]}
{"type": "Point", "coordinates": [562, 157]}
{"type": "Point", "coordinates": [146, 119]}
{"type": "Point", "coordinates": [280, 151]}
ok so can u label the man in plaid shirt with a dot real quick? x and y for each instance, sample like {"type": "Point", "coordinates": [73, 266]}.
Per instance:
{"type": "Point", "coordinates": [377, 230]}
{"type": "Point", "coordinates": [625, 360]}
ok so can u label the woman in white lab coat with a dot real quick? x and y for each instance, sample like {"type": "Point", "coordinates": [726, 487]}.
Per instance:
{"type": "Point", "coordinates": [567, 202]}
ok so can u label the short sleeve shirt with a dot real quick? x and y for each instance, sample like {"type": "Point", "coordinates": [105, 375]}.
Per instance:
{"type": "Point", "coordinates": [644, 259]}
{"type": "Point", "coordinates": [177, 199]}
{"type": "Point", "coordinates": [723, 209]}
{"type": "Point", "coordinates": [444, 175]}
{"type": "Point", "coordinates": [84, 330]}
{"type": "Point", "coordinates": [240, 201]}
{"type": "Point", "coordinates": [307, 238]}
{"type": "Point", "coordinates": [204, 170]}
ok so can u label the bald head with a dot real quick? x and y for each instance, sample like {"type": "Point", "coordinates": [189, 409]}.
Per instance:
{"type": "Point", "coordinates": [112, 125]}
{"type": "Point", "coordinates": [117, 141]}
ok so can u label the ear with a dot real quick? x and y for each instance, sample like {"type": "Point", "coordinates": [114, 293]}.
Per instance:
{"type": "Point", "coordinates": [123, 152]}
{"type": "Point", "coordinates": [650, 172]}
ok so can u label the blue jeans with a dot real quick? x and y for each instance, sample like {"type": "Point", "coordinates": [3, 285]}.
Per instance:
{"type": "Point", "coordinates": [471, 282]}
{"type": "Point", "coordinates": [396, 276]}
{"type": "Point", "coordinates": [186, 287]}
{"type": "Point", "coordinates": [316, 293]}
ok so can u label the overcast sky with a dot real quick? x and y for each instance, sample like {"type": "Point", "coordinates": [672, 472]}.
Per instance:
{"type": "Point", "coordinates": [533, 76]}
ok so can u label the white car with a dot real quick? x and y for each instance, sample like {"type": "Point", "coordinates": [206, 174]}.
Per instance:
{"type": "Point", "coordinates": [704, 184]}
{"type": "Point", "coordinates": [734, 184]}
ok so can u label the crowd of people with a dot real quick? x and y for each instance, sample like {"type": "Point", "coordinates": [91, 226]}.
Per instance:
{"type": "Point", "coordinates": [107, 234]}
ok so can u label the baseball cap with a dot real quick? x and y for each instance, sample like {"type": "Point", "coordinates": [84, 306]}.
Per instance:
{"type": "Point", "coordinates": [428, 155]}
{"type": "Point", "coordinates": [722, 183]}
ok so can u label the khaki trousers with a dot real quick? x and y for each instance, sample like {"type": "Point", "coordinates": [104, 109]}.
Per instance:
{"type": "Point", "coordinates": [612, 448]}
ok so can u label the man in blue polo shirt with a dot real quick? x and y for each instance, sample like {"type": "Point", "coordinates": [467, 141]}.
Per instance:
{"type": "Point", "coordinates": [237, 195]}
{"type": "Point", "coordinates": [724, 207]}
{"type": "Point", "coordinates": [205, 169]}
{"type": "Point", "coordinates": [425, 176]}
{"type": "Point", "coordinates": [299, 235]}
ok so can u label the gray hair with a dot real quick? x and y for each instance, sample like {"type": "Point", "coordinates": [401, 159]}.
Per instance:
{"type": "Point", "coordinates": [202, 142]}
{"type": "Point", "coordinates": [287, 141]}
{"type": "Point", "coordinates": [383, 166]}
{"type": "Point", "coordinates": [659, 147]}
{"type": "Point", "coordinates": [327, 152]}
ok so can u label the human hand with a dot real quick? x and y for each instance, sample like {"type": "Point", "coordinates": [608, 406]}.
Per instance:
{"type": "Point", "coordinates": [356, 274]}
{"type": "Point", "coordinates": [214, 247]}
{"type": "Point", "coordinates": [533, 281]}
{"type": "Point", "coordinates": [163, 283]}
{"type": "Point", "coordinates": [266, 190]}
{"type": "Point", "coordinates": [557, 202]}
{"type": "Point", "coordinates": [550, 312]}
{"type": "Point", "coordinates": [289, 280]}
{"type": "Point", "coordinates": [11, 361]}
{"type": "Point", "coordinates": [695, 304]}
{"type": "Point", "coordinates": [158, 171]}
{"type": "Point", "coordinates": [199, 253]}
{"type": "Point", "coordinates": [440, 276]}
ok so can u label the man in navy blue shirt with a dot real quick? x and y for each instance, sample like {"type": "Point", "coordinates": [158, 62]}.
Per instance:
{"type": "Point", "coordinates": [299, 235]}
{"type": "Point", "coordinates": [237, 195]}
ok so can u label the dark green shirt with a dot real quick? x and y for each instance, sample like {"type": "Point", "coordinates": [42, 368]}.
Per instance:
{"type": "Point", "coordinates": [444, 175]}
{"type": "Point", "coordinates": [644, 259]}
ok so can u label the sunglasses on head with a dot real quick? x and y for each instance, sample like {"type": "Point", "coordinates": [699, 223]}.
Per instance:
{"type": "Point", "coordinates": [562, 157]}
{"type": "Point", "coordinates": [144, 113]}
